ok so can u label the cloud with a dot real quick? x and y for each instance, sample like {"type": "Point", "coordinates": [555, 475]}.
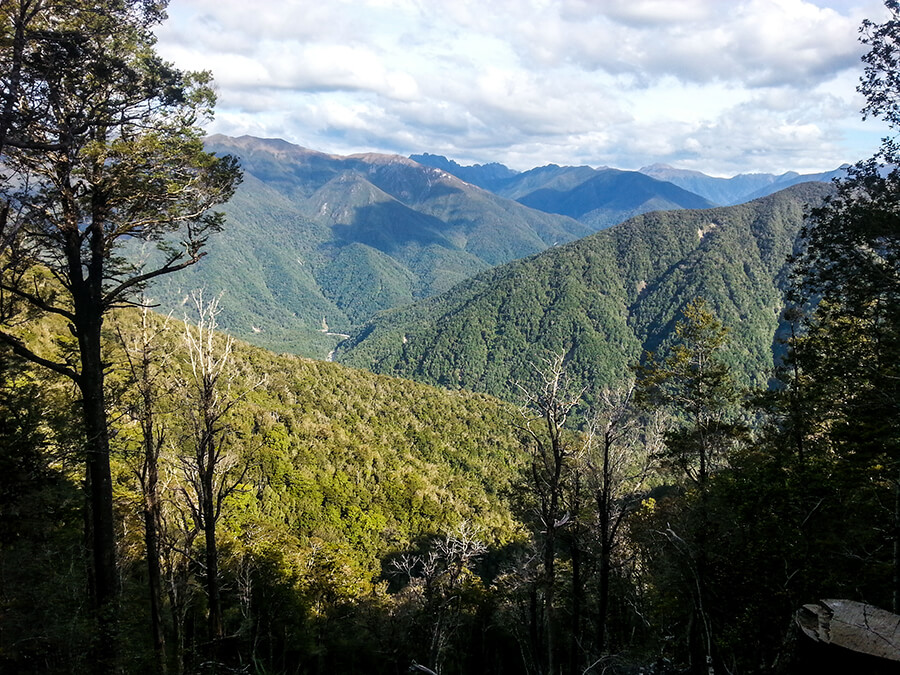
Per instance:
{"type": "Point", "coordinates": [744, 85]}
{"type": "Point", "coordinates": [758, 43]}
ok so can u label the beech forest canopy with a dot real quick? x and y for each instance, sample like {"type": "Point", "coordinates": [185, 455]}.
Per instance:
{"type": "Point", "coordinates": [699, 438]}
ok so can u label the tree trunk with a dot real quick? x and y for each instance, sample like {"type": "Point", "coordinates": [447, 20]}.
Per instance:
{"type": "Point", "coordinates": [575, 637]}
{"type": "Point", "coordinates": [604, 510]}
{"type": "Point", "coordinates": [151, 540]}
{"type": "Point", "coordinates": [895, 600]}
{"type": "Point", "coordinates": [104, 587]}
{"type": "Point", "coordinates": [212, 554]}
{"type": "Point", "coordinates": [549, 597]}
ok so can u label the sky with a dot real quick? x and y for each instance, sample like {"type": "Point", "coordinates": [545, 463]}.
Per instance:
{"type": "Point", "coordinates": [719, 86]}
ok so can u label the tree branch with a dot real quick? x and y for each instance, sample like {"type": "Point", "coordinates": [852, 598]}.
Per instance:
{"type": "Point", "coordinates": [38, 302]}
{"type": "Point", "coordinates": [20, 349]}
{"type": "Point", "coordinates": [112, 297]}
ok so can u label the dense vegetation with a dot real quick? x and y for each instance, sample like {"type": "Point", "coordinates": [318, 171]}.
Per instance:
{"type": "Point", "coordinates": [330, 474]}
{"type": "Point", "coordinates": [341, 238]}
{"type": "Point", "coordinates": [275, 514]}
{"type": "Point", "coordinates": [603, 300]}
{"type": "Point", "coordinates": [317, 237]}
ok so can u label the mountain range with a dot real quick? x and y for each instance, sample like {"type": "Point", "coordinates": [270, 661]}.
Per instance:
{"type": "Point", "coordinates": [316, 244]}
{"type": "Point", "coordinates": [597, 197]}
{"type": "Point", "coordinates": [737, 189]}
{"type": "Point", "coordinates": [717, 191]}
{"type": "Point", "coordinates": [603, 300]}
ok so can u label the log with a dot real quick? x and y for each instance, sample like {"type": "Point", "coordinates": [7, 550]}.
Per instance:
{"type": "Point", "coordinates": [852, 625]}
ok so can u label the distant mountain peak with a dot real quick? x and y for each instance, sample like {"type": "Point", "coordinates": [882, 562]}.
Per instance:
{"type": "Point", "coordinates": [277, 147]}
{"type": "Point", "coordinates": [382, 158]}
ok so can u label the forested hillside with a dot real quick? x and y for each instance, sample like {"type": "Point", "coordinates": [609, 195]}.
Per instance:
{"type": "Point", "coordinates": [316, 243]}
{"type": "Point", "coordinates": [602, 300]}
{"type": "Point", "coordinates": [324, 475]}
{"type": "Point", "coordinates": [175, 501]}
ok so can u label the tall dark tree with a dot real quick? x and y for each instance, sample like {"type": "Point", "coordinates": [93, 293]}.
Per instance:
{"type": "Point", "coordinates": [694, 385]}
{"type": "Point", "coordinates": [102, 146]}
{"type": "Point", "coordinates": [847, 280]}
{"type": "Point", "coordinates": [552, 450]}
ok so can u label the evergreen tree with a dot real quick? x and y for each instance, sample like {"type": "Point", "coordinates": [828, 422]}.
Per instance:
{"type": "Point", "coordinates": [101, 146]}
{"type": "Point", "coordinates": [847, 279]}
{"type": "Point", "coordinates": [694, 385]}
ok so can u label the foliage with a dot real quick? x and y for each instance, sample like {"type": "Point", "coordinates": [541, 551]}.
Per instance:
{"type": "Point", "coordinates": [345, 469]}
{"type": "Point", "coordinates": [844, 384]}
{"type": "Point", "coordinates": [602, 301]}
{"type": "Point", "coordinates": [694, 385]}
{"type": "Point", "coordinates": [342, 238]}
{"type": "Point", "coordinates": [44, 621]}
{"type": "Point", "coordinates": [101, 144]}
{"type": "Point", "coordinates": [369, 523]}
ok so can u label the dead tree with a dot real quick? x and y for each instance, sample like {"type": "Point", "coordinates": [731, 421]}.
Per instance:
{"type": "Point", "coordinates": [545, 413]}
{"type": "Point", "coordinates": [211, 466]}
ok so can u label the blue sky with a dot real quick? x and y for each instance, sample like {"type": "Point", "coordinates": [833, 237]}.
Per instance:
{"type": "Point", "coordinates": [720, 86]}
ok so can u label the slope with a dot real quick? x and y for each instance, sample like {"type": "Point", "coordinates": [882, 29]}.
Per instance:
{"type": "Point", "coordinates": [603, 300]}
{"type": "Point", "coordinates": [315, 244]}
{"type": "Point", "coordinates": [611, 196]}
{"type": "Point", "coordinates": [596, 197]}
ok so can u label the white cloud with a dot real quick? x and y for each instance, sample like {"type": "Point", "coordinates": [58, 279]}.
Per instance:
{"type": "Point", "coordinates": [764, 85]}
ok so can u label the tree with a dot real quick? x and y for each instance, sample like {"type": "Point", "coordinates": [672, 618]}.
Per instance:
{"type": "Point", "coordinates": [693, 384]}
{"type": "Point", "coordinates": [618, 460]}
{"type": "Point", "coordinates": [439, 581]}
{"type": "Point", "coordinates": [546, 412]}
{"type": "Point", "coordinates": [146, 363]}
{"type": "Point", "coordinates": [101, 147]}
{"type": "Point", "coordinates": [212, 468]}
{"type": "Point", "coordinates": [846, 279]}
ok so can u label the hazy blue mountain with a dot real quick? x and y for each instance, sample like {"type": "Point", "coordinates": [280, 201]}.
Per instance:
{"type": "Point", "coordinates": [719, 191]}
{"type": "Point", "coordinates": [596, 197]}
{"type": "Point", "coordinates": [549, 177]}
{"type": "Point", "coordinates": [603, 300]}
{"type": "Point", "coordinates": [611, 196]}
{"type": "Point", "coordinates": [738, 189]}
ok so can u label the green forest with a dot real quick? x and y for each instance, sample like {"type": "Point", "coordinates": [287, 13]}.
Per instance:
{"type": "Point", "coordinates": [604, 300]}
{"type": "Point", "coordinates": [666, 495]}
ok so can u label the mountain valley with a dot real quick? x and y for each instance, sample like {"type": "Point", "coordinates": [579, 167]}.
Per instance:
{"type": "Point", "coordinates": [603, 300]}
{"type": "Point", "coordinates": [316, 244]}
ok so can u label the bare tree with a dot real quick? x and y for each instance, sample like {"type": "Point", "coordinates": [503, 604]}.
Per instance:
{"type": "Point", "coordinates": [146, 363]}
{"type": "Point", "coordinates": [440, 575]}
{"type": "Point", "coordinates": [552, 449]}
{"type": "Point", "coordinates": [617, 461]}
{"type": "Point", "coordinates": [212, 468]}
